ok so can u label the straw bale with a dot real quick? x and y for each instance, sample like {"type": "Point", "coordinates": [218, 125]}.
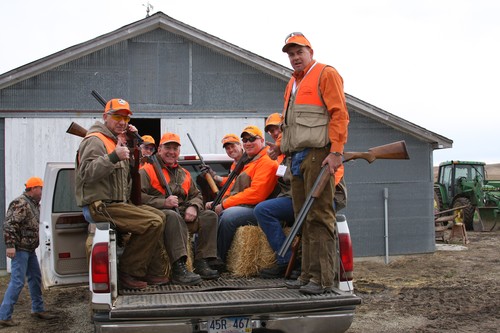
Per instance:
{"type": "Point", "coordinates": [250, 252]}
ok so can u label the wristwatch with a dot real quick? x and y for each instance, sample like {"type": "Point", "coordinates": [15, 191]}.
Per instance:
{"type": "Point", "coordinates": [336, 153]}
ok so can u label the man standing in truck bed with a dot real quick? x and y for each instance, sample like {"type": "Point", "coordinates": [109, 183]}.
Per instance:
{"type": "Point", "coordinates": [314, 128]}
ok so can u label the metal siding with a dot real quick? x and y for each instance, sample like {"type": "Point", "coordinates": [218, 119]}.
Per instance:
{"type": "Point", "coordinates": [220, 82]}
{"type": "Point", "coordinates": [410, 215]}
{"type": "Point", "coordinates": [165, 74]}
{"type": "Point", "coordinates": [49, 142]}
{"type": "Point", "coordinates": [3, 258]}
{"type": "Point", "coordinates": [160, 72]}
{"type": "Point", "coordinates": [207, 133]}
{"type": "Point", "coordinates": [46, 140]}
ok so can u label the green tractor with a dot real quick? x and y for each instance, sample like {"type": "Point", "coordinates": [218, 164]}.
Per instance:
{"type": "Point", "coordinates": [462, 183]}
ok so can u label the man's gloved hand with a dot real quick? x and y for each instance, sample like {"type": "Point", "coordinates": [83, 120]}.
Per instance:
{"type": "Point", "coordinates": [207, 169]}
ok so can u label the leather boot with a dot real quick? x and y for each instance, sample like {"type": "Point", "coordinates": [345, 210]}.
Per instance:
{"type": "Point", "coordinates": [202, 268]}
{"type": "Point", "coordinates": [181, 275]}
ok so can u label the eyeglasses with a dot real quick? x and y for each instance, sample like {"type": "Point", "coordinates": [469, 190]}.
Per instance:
{"type": "Point", "coordinates": [119, 117]}
{"type": "Point", "coordinates": [293, 34]}
{"type": "Point", "coordinates": [251, 139]}
{"type": "Point", "coordinates": [150, 148]}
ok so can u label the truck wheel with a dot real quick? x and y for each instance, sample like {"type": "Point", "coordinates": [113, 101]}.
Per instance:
{"type": "Point", "coordinates": [468, 212]}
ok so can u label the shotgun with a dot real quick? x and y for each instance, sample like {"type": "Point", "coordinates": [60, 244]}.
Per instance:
{"type": "Point", "coordinates": [392, 151]}
{"type": "Point", "coordinates": [208, 176]}
{"type": "Point", "coordinates": [237, 170]}
{"type": "Point", "coordinates": [153, 159]}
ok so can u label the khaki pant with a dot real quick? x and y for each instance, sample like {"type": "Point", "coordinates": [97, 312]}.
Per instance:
{"type": "Point", "coordinates": [319, 262]}
{"type": "Point", "coordinates": [143, 252]}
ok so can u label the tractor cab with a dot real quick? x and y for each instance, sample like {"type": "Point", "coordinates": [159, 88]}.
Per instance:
{"type": "Point", "coordinates": [460, 183]}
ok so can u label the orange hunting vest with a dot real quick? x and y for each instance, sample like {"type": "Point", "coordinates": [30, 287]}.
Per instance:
{"type": "Point", "coordinates": [155, 182]}
{"type": "Point", "coordinates": [307, 92]}
{"type": "Point", "coordinates": [108, 142]}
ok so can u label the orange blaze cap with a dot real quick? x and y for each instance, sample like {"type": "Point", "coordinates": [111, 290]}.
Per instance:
{"type": "Point", "coordinates": [273, 119]}
{"type": "Point", "coordinates": [148, 140]}
{"type": "Point", "coordinates": [296, 38]}
{"type": "Point", "coordinates": [117, 104]}
{"type": "Point", "coordinates": [170, 137]}
{"type": "Point", "coordinates": [34, 182]}
{"type": "Point", "coordinates": [253, 131]}
{"type": "Point", "coordinates": [230, 138]}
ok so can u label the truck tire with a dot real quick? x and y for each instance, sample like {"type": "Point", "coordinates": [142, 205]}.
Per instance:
{"type": "Point", "coordinates": [467, 211]}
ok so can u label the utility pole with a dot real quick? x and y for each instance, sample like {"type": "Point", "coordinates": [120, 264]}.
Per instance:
{"type": "Point", "coordinates": [148, 8]}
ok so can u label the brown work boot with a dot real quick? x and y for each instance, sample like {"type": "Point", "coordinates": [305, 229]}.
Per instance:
{"type": "Point", "coordinates": [156, 280]}
{"type": "Point", "coordinates": [45, 315]}
{"type": "Point", "coordinates": [8, 323]}
{"type": "Point", "coordinates": [202, 268]}
{"type": "Point", "coordinates": [130, 282]}
{"type": "Point", "coordinates": [181, 275]}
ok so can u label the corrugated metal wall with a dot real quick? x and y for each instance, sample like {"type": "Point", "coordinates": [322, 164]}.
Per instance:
{"type": "Point", "coordinates": [409, 184]}
{"type": "Point", "coordinates": [157, 72]}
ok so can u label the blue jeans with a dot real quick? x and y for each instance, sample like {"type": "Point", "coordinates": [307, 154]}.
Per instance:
{"type": "Point", "coordinates": [24, 264]}
{"type": "Point", "coordinates": [229, 221]}
{"type": "Point", "coordinates": [269, 215]}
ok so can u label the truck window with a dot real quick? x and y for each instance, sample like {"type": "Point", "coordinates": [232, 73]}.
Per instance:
{"type": "Point", "coordinates": [64, 194]}
{"type": "Point", "coordinates": [220, 167]}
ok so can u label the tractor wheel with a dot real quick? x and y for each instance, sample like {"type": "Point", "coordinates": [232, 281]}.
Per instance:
{"type": "Point", "coordinates": [467, 213]}
{"type": "Point", "coordinates": [438, 201]}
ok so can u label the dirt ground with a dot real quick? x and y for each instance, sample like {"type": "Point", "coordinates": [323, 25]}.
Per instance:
{"type": "Point", "coordinates": [455, 289]}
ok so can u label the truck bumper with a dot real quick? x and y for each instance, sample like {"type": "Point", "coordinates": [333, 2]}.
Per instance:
{"type": "Point", "coordinates": [322, 322]}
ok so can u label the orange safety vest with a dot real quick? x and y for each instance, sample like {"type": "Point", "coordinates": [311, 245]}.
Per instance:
{"type": "Point", "coordinates": [308, 92]}
{"type": "Point", "coordinates": [155, 182]}
{"type": "Point", "coordinates": [108, 142]}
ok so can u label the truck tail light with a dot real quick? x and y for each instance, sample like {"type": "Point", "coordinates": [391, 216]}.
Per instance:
{"type": "Point", "coordinates": [100, 268]}
{"type": "Point", "coordinates": [346, 257]}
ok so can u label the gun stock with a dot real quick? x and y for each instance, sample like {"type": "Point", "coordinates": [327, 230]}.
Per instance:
{"type": "Point", "coordinates": [392, 151]}
{"type": "Point", "coordinates": [77, 130]}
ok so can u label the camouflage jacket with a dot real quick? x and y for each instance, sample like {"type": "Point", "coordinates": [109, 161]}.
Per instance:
{"type": "Point", "coordinates": [20, 228]}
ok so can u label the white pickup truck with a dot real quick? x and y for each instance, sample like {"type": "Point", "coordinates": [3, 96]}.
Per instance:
{"type": "Point", "coordinates": [226, 305]}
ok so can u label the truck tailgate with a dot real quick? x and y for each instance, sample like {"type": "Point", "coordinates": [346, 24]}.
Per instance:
{"type": "Point", "coordinates": [235, 296]}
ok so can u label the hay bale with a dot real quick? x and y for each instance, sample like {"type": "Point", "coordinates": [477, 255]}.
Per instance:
{"type": "Point", "coordinates": [250, 252]}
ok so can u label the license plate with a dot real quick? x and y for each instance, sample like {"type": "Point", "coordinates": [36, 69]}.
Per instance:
{"type": "Point", "coordinates": [230, 325]}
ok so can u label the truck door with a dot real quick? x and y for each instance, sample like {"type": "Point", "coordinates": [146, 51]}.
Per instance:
{"type": "Point", "coordinates": [63, 230]}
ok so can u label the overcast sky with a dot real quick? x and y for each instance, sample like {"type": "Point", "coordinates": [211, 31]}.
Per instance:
{"type": "Point", "coordinates": [435, 63]}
